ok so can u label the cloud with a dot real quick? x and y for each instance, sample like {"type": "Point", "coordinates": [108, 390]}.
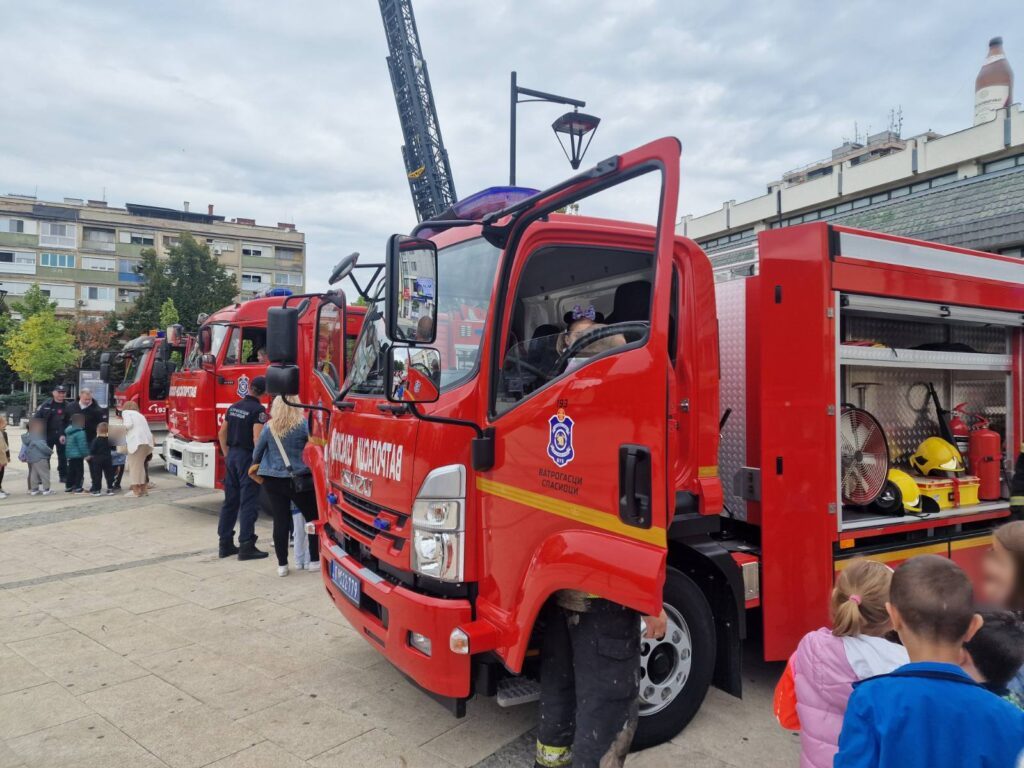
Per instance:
{"type": "Point", "coordinates": [284, 111]}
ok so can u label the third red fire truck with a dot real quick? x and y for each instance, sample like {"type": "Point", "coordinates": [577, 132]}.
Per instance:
{"type": "Point", "coordinates": [712, 455]}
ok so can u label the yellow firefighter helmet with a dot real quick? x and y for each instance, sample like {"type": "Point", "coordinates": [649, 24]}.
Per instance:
{"type": "Point", "coordinates": [909, 491]}
{"type": "Point", "coordinates": [936, 455]}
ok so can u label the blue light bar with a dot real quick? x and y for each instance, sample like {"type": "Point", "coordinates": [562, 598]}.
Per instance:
{"type": "Point", "coordinates": [278, 292]}
{"type": "Point", "coordinates": [489, 200]}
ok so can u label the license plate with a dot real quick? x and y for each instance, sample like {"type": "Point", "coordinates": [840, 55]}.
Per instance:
{"type": "Point", "coordinates": [172, 468]}
{"type": "Point", "coordinates": [347, 582]}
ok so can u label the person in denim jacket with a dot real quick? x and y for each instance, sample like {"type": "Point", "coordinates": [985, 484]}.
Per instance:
{"type": "Point", "coordinates": [287, 425]}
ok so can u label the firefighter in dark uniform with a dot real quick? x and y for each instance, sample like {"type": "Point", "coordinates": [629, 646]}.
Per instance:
{"type": "Point", "coordinates": [57, 417]}
{"type": "Point", "coordinates": [237, 436]}
{"type": "Point", "coordinates": [590, 681]}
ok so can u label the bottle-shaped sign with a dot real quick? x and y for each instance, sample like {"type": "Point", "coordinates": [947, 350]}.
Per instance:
{"type": "Point", "coordinates": [993, 89]}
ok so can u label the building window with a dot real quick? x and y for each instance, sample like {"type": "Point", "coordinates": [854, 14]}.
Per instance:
{"type": "Point", "coordinates": [98, 239]}
{"type": "Point", "coordinates": [289, 254]}
{"type": "Point", "coordinates": [171, 242]}
{"type": "Point", "coordinates": [899, 192]}
{"type": "Point", "coordinates": [99, 293]}
{"type": "Point", "coordinates": [16, 226]}
{"type": "Point", "coordinates": [941, 180]}
{"type": "Point", "coordinates": [136, 238]}
{"type": "Point", "coordinates": [253, 249]}
{"type": "Point", "coordinates": [254, 281]}
{"type": "Point", "coordinates": [219, 246]}
{"type": "Point", "coordinates": [57, 234]}
{"type": "Point", "coordinates": [58, 260]}
{"type": "Point", "coordinates": [100, 265]}
{"type": "Point", "coordinates": [287, 278]}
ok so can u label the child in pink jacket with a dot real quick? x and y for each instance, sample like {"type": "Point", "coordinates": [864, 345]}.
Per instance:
{"type": "Point", "coordinates": [812, 694]}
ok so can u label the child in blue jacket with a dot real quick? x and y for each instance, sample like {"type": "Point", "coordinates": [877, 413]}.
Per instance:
{"type": "Point", "coordinates": [930, 713]}
{"type": "Point", "coordinates": [76, 448]}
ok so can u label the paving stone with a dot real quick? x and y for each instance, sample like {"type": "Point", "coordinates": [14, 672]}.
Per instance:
{"type": "Point", "coordinates": [192, 738]}
{"type": "Point", "coordinates": [9, 758]}
{"type": "Point", "coordinates": [16, 673]}
{"type": "Point", "coordinates": [486, 728]}
{"type": "Point", "coordinates": [76, 661]}
{"type": "Point", "coordinates": [89, 742]}
{"type": "Point", "coordinates": [28, 625]}
{"type": "Point", "coordinates": [266, 754]}
{"type": "Point", "coordinates": [35, 708]}
{"type": "Point", "coordinates": [305, 727]}
{"type": "Point", "coordinates": [139, 701]}
{"type": "Point", "coordinates": [377, 749]}
{"type": "Point", "coordinates": [125, 633]}
{"type": "Point", "coordinates": [201, 671]}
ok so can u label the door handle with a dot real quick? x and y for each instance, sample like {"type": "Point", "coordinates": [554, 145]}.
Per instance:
{"type": "Point", "coordinates": [222, 380]}
{"type": "Point", "coordinates": [635, 485]}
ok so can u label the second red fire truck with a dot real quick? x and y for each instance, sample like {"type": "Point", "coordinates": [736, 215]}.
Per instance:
{"type": "Point", "coordinates": [707, 441]}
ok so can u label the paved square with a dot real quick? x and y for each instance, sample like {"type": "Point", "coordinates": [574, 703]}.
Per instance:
{"type": "Point", "coordinates": [125, 641]}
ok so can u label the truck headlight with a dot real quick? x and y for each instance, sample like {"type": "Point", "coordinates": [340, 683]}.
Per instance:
{"type": "Point", "coordinates": [195, 460]}
{"type": "Point", "coordinates": [438, 524]}
{"type": "Point", "coordinates": [437, 514]}
{"type": "Point", "coordinates": [438, 555]}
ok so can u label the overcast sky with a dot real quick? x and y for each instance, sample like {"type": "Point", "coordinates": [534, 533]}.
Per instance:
{"type": "Point", "coordinates": [283, 111]}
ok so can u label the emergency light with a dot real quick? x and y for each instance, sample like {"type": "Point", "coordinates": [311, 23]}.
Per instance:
{"type": "Point", "coordinates": [278, 292]}
{"type": "Point", "coordinates": [479, 204]}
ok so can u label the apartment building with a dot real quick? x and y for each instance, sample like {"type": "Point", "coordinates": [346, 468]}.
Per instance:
{"type": "Point", "coordinates": [85, 253]}
{"type": "Point", "coordinates": [964, 188]}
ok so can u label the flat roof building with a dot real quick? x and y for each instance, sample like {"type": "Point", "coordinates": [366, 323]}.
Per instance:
{"type": "Point", "coordinates": [964, 188]}
{"type": "Point", "coordinates": [85, 253]}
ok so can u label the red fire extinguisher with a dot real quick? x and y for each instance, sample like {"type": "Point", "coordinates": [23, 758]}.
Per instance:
{"type": "Point", "coordinates": [986, 460]}
{"type": "Point", "coordinates": [958, 425]}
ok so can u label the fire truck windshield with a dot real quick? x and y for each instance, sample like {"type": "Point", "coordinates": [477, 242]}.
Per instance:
{"type": "Point", "coordinates": [465, 276]}
{"type": "Point", "coordinates": [218, 332]}
{"type": "Point", "coordinates": [133, 367]}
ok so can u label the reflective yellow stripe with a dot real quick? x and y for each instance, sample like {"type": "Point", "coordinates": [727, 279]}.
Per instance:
{"type": "Point", "coordinates": [980, 541]}
{"type": "Point", "coordinates": [1017, 501]}
{"type": "Point", "coordinates": [709, 471]}
{"type": "Point", "coordinates": [899, 554]}
{"type": "Point", "coordinates": [570, 511]}
{"type": "Point", "coordinates": [553, 757]}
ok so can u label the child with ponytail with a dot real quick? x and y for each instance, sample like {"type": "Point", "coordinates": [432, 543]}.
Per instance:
{"type": "Point", "coordinates": [812, 694]}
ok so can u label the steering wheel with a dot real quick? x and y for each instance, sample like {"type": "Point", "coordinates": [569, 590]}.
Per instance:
{"type": "Point", "coordinates": [602, 332]}
{"type": "Point", "coordinates": [327, 368]}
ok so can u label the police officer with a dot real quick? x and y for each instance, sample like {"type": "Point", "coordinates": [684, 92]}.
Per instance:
{"type": "Point", "coordinates": [57, 417]}
{"type": "Point", "coordinates": [237, 436]}
{"type": "Point", "coordinates": [590, 680]}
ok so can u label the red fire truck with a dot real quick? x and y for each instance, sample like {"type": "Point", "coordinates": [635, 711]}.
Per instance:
{"type": "Point", "coordinates": [224, 357]}
{"type": "Point", "coordinates": [147, 370]}
{"type": "Point", "coordinates": [696, 462]}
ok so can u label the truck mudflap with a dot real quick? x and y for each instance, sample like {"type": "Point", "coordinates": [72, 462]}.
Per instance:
{"type": "Point", "coordinates": [397, 621]}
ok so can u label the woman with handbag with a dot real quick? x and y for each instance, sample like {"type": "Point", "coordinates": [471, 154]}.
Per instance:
{"type": "Point", "coordinates": [285, 479]}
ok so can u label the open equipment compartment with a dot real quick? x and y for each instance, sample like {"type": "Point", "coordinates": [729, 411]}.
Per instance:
{"type": "Point", "coordinates": [883, 369]}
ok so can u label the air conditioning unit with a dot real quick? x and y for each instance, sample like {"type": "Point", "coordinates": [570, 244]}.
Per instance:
{"type": "Point", "coordinates": [218, 251]}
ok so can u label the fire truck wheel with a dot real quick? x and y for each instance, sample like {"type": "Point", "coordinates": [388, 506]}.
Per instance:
{"type": "Point", "coordinates": [675, 672]}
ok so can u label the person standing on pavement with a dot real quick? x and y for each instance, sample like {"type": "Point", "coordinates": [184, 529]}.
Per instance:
{"type": "Point", "coordinates": [237, 436]}
{"type": "Point", "coordinates": [590, 681]}
{"type": "Point", "coordinates": [286, 480]}
{"type": "Point", "coordinates": [139, 441]}
{"type": "Point", "coordinates": [77, 448]}
{"type": "Point", "coordinates": [5, 454]}
{"type": "Point", "coordinates": [36, 452]}
{"type": "Point", "coordinates": [92, 411]}
{"type": "Point", "coordinates": [54, 414]}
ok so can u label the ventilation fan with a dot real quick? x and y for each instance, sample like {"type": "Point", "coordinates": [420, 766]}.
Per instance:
{"type": "Point", "coordinates": [864, 454]}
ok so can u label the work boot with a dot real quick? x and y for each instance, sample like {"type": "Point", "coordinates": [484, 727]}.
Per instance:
{"type": "Point", "coordinates": [247, 550]}
{"type": "Point", "coordinates": [228, 548]}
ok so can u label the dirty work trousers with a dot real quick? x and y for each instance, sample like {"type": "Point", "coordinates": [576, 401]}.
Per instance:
{"type": "Point", "coordinates": [589, 679]}
{"type": "Point", "coordinates": [240, 497]}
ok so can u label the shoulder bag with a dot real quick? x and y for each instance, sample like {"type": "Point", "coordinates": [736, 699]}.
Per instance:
{"type": "Point", "coordinates": [302, 481]}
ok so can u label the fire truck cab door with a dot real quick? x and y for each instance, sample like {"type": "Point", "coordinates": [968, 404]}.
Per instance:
{"type": "Point", "coordinates": [578, 496]}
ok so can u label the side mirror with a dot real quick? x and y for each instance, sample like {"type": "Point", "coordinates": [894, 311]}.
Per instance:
{"type": "Point", "coordinates": [413, 374]}
{"type": "Point", "coordinates": [208, 361]}
{"type": "Point", "coordinates": [283, 335]}
{"type": "Point", "coordinates": [343, 268]}
{"type": "Point", "coordinates": [175, 336]}
{"type": "Point", "coordinates": [282, 380]}
{"type": "Point", "coordinates": [412, 289]}
{"type": "Point", "coordinates": [105, 367]}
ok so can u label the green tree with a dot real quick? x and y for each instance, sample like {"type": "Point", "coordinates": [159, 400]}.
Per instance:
{"type": "Point", "coordinates": [168, 313]}
{"type": "Point", "coordinates": [33, 303]}
{"type": "Point", "coordinates": [39, 348]}
{"type": "Point", "coordinates": [190, 276]}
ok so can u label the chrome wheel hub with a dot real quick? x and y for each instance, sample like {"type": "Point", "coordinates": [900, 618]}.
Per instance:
{"type": "Point", "coordinates": [665, 665]}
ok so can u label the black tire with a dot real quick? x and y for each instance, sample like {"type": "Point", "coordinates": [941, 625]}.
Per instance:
{"type": "Point", "coordinates": [662, 721]}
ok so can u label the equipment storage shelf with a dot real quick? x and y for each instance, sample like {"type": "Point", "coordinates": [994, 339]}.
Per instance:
{"type": "Point", "coordinates": [892, 356]}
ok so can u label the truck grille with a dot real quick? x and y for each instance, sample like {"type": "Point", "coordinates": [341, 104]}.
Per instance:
{"type": "Point", "coordinates": [358, 514]}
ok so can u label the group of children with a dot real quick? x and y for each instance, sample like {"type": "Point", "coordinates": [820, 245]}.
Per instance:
{"type": "Point", "coordinates": [105, 460]}
{"type": "Point", "coordinates": [913, 671]}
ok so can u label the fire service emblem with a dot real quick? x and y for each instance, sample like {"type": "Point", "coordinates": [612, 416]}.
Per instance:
{"type": "Point", "coordinates": [243, 385]}
{"type": "Point", "coordinates": [560, 438]}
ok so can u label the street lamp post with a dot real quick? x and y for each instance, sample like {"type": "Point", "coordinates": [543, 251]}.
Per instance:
{"type": "Point", "coordinates": [574, 124]}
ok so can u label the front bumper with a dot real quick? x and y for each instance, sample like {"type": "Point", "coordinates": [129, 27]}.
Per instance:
{"type": "Point", "coordinates": [193, 462]}
{"type": "Point", "coordinates": [389, 613]}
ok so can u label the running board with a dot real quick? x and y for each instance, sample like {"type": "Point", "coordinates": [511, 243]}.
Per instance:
{"type": "Point", "coordinates": [513, 691]}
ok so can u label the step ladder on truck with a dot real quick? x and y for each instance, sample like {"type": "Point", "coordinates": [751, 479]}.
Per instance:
{"type": "Point", "coordinates": [479, 458]}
